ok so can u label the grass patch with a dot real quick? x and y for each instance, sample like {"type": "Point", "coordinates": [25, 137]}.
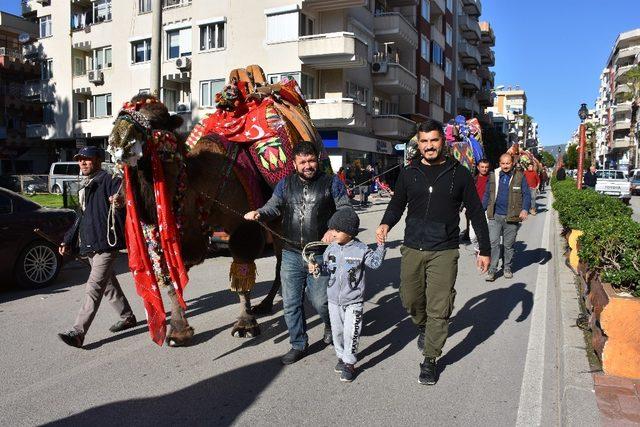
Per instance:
{"type": "Point", "coordinates": [47, 200]}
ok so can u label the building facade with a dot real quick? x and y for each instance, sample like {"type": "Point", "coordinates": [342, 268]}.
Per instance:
{"type": "Point", "coordinates": [361, 64]}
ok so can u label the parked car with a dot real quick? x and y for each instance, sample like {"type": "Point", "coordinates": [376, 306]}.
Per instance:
{"type": "Point", "coordinates": [635, 182]}
{"type": "Point", "coordinates": [613, 183]}
{"type": "Point", "coordinates": [27, 259]}
{"type": "Point", "coordinates": [61, 172]}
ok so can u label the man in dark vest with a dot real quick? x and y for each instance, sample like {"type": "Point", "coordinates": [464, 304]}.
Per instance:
{"type": "Point", "coordinates": [305, 200]}
{"type": "Point", "coordinates": [507, 201]}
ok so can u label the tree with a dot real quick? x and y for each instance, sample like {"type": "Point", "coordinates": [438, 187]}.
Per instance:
{"type": "Point", "coordinates": [591, 130]}
{"type": "Point", "coordinates": [547, 159]}
{"type": "Point", "coordinates": [631, 79]}
{"type": "Point", "coordinates": [570, 159]}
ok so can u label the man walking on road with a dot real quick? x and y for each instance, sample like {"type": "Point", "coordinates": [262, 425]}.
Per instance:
{"type": "Point", "coordinates": [93, 236]}
{"type": "Point", "coordinates": [507, 201]}
{"type": "Point", "coordinates": [533, 181]}
{"type": "Point", "coordinates": [433, 187]}
{"type": "Point", "coordinates": [306, 200]}
{"type": "Point", "coordinates": [481, 180]}
{"type": "Point", "coordinates": [590, 178]}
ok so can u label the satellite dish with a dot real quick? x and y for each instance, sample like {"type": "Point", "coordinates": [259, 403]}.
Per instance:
{"type": "Point", "coordinates": [24, 37]}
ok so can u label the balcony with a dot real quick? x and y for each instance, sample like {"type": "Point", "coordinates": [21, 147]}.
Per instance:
{"type": "Point", "coordinates": [468, 105]}
{"type": "Point", "coordinates": [437, 36]}
{"type": "Point", "coordinates": [621, 88]}
{"type": "Point", "coordinates": [484, 73]}
{"type": "Point", "coordinates": [469, 54]}
{"type": "Point", "coordinates": [35, 90]}
{"type": "Point", "coordinates": [624, 124]}
{"type": "Point", "coordinates": [488, 36]}
{"type": "Point", "coordinates": [472, 7]}
{"type": "Point", "coordinates": [623, 107]}
{"type": "Point", "coordinates": [393, 126]}
{"type": "Point", "coordinates": [437, 74]}
{"type": "Point", "coordinates": [621, 70]}
{"type": "Point", "coordinates": [325, 5]}
{"type": "Point", "coordinates": [393, 27]}
{"type": "Point", "coordinates": [470, 27]}
{"type": "Point", "coordinates": [468, 80]}
{"type": "Point", "coordinates": [333, 50]}
{"type": "Point", "coordinates": [14, 54]}
{"type": "Point", "coordinates": [484, 98]}
{"type": "Point", "coordinates": [37, 131]}
{"type": "Point", "coordinates": [436, 112]}
{"type": "Point", "coordinates": [621, 143]}
{"type": "Point", "coordinates": [439, 6]}
{"type": "Point", "coordinates": [627, 53]}
{"type": "Point", "coordinates": [339, 112]}
{"type": "Point", "coordinates": [487, 57]}
{"type": "Point", "coordinates": [396, 80]}
{"type": "Point", "coordinates": [171, 4]}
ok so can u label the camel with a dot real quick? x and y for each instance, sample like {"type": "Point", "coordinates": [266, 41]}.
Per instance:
{"type": "Point", "coordinates": [206, 191]}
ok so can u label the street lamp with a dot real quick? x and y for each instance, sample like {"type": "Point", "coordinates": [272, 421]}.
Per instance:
{"type": "Point", "coordinates": [583, 113]}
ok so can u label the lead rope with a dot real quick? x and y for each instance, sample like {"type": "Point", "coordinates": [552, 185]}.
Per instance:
{"type": "Point", "coordinates": [112, 236]}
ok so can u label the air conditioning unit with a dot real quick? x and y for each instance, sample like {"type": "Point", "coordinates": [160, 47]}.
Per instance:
{"type": "Point", "coordinates": [183, 64]}
{"type": "Point", "coordinates": [96, 77]}
{"type": "Point", "coordinates": [183, 107]}
{"type": "Point", "coordinates": [380, 67]}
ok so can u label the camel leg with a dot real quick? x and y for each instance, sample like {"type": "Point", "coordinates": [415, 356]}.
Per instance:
{"type": "Point", "coordinates": [180, 333]}
{"type": "Point", "coordinates": [266, 305]}
{"type": "Point", "coordinates": [246, 326]}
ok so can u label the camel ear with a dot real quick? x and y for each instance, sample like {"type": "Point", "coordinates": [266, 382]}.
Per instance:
{"type": "Point", "coordinates": [175, 121]}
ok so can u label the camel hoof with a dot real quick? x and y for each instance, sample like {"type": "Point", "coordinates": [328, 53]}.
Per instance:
{"type": "Point", "coordinates": [179, 338]}
{"type": "Point", "coordinates": [245, 328]}
{"type": "Point", "coordinates": [262, 309]}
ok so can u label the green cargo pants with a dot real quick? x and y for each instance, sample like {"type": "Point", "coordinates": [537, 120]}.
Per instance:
{"type": "Point", "coordinates": [426, 290]}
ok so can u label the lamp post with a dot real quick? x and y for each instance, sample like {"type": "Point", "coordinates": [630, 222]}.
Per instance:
{"type": "Point", "coordinates": [583, 113]}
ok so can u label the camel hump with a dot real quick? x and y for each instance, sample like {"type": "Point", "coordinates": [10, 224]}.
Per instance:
{"type": "Point", "coordinates": [241, 75]}
{"type": "Point", "coordinates": [256, 74]}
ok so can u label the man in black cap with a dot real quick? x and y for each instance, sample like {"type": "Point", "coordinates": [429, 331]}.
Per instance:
{"type": "Point", "coordinates": [95, 237]}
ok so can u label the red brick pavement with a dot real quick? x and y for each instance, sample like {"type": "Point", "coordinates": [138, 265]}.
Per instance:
{"type": "Point", "coordinates": [618, 400]}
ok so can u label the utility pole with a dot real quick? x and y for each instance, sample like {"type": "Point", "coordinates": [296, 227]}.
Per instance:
{"type": "Point", "coordinates": [156, 46]}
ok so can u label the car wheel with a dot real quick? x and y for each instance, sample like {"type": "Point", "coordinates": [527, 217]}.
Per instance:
{"type": "Point", "coordinates": [56, 189]}
{"type": "Point", "coordinates": [37, 266]}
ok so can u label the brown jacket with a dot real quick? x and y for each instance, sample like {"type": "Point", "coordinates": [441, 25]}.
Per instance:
{"type": "Point", "coordinates": [515, 195]}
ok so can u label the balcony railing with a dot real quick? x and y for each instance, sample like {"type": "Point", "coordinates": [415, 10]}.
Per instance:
{"type": "Point", "coordinates": [326, 5]}
{"type": "Point", "coordinates": [436, 112]}
{"type": "Point", "coordinates": [395, 79]}
{"type": "Point", "coordinates": [469, 27]}
{"type": "Point", "coordinates": [467, 104]}
{"type": "Point", "coordinates": [37, 131]}
{"type": "Point", "coordinates": [338, 112]}
{"type": "Point", "coordinates": [621, 143]}
{"type": "Point", "coordinates": [11, 53]}
{"type": "Point", "coordinates": [393, 126]}
{"type": "Point", "coordinates": [469, 53]}
{"type": "Point", "coordinates": [333, 50]}
{"type": "Point", "coordinates": [170, 4]}
{"type": "Point", "coordinates": [468, 79]}
{"type": "Point", "coordinates": [394, 27]}
{"type": "Point", "coordinates": [437, 74]}
{"type": "Point", "coordinates": [472, 7]}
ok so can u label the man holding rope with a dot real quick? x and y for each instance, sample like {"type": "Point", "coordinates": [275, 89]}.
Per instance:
{"type": "Point", "coordinates": [306, 200]}
{"type": "Point", "coordinates": [99, 239]}
{"type": "Point", "coordinates": [433, 186]}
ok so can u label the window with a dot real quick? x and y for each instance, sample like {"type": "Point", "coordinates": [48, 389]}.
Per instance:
{"type": "Point", "coordinates": [358, 93]}
{"type": "Point", "coordinates": [282, 27]}
{"type": "Point", "coordinates": [101, 10]}
{"type": "Point", "coordinates": [449, 5]}
{"type": "Point", "coordinates": [447, 102]}
{"type": "Point", "coordinates": [306, 25]}
{"type": "Point", "coordinates": [424, 88]}
{"type": "Point", "coordinates": [449, 35]}
{"type": "Point", "coordinates": [47, 114]}
{"type": "Point", "coordinates": [437, 54]}
{"type": "Point", "coordinates": [79, 66]}
{"type": "Point", "coordinates": [141, 51]}
{"type": "Point", "coordinates": [212, 36]}
{"type": "Point", "coordinates": [101, 58]}
{"type": "Point", "coordinates": [81, 110]}
{"type": "Point", "coordinates": [425, 10]}
{"type": "Point", "coordinates": [424, 47]}
{"type": "Point", "coordinates": [208, 90]}
{"type": "Point", "coordinates": [80, 20]}
{"type": "Point", "coordinates": [178, 43]}
{"type": "Point", "coordinates": [45, 26]}
{"type": "Point", "coordinates": [102, 105]}
{"type": "Point", "coordinates": [448, 68]}
{"type": "Point", "coordinates": [144, 6]}
{"type": "Point", "coordinates": [46, 69]}
{"type": "Point", "coordinates": [308, 86]}
{"type": "Point", "coordinates": [275, 78]}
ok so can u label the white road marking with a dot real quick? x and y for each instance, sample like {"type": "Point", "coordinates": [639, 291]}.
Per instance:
{"type": "Point", "coordinates": [530, 406]}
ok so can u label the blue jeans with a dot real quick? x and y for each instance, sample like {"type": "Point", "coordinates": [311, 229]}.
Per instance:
{"type": "Point", "coordinates": [296, 278]}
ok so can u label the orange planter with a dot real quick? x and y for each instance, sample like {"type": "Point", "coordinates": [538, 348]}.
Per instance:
{"type": "Point", "coordinates": [572, 240]}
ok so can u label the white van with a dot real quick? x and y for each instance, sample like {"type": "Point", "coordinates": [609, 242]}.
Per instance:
{"type": "Point", "coordinates": [61, 172]}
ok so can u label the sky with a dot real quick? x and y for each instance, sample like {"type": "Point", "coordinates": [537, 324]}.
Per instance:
{"type": "Point", "coordinates": [553, 49]}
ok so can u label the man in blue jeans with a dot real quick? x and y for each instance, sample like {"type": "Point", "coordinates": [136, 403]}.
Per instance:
{"type": "Point", "coordinates": [305, 200]}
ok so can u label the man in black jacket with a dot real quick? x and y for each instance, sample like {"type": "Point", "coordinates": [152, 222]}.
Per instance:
{"type": "Point", "coordinates": [306, 200]}
{"type": "Point", "coordinates": [590, 178]}
{"type": "Point", "coordinates": [433, 187]}
{"type": "Point", "coordinates": [99, 239]}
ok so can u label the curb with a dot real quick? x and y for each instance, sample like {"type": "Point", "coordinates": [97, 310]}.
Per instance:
{"type": "Point", "coordinates": [578, 406]}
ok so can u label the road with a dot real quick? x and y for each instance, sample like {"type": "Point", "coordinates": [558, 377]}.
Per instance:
{"type": "Point", "coordinates": [499, 366]}
{"type": "Point", "coordinates": [635, 204]}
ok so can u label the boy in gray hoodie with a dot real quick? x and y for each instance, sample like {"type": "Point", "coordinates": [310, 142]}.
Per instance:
{"type": "Point", "coordinates": [345, 260]}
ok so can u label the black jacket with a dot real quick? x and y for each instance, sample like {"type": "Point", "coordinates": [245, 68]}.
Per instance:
{"type": "Point", "coordinates": [590, 179]}
{"type": "Point", "coordinates": [433, 216]}
{"type": "Point", "coordinates": [89, 233]}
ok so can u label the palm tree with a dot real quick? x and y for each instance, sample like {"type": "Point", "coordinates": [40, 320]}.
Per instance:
{"type": "Point", "coordinates": [631, 79]}
{"type": "Point", "coordinates": [591, 130]}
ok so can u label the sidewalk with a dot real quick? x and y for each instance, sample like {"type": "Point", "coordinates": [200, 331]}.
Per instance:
{"type": "Point", "coordinates": [618, 400]}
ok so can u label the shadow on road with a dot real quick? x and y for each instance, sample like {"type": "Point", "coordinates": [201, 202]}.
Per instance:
{"type": "Point", "coordinates": [524, 257]}
{"type": "Point", "coordinates": [218, 400]}
{"type": "Point", "coordinates": [484, 314]}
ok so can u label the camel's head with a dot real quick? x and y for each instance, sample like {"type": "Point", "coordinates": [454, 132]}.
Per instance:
{"type": "Point", "coordinates": [135, 126]}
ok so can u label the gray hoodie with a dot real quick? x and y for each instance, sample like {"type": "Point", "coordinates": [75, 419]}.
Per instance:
{"type": "Point", "coordinates": [345, 263]}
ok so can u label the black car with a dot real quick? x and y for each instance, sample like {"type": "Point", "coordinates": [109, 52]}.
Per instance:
{"type": "Point", "coordinates": [27, 259]}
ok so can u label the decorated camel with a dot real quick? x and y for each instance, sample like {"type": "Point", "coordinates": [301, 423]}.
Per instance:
{"type": "Point", "coordinates": [178, 191]}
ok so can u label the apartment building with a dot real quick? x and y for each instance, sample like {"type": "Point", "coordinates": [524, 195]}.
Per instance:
{"type": "Point", "coordinates": [468, 40]}
{"type": "Point", "coordinates": [354, 59]}
{"type": "Point", "coordinates": [509, 111]}
{"type": "Point", "coordinates": [18, 154]}
{"type": "Point", "coordinates": [613, 105]}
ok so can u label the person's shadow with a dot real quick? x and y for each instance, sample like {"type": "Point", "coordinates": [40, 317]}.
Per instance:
{"type": "Point", "coordinates": [485, 314]}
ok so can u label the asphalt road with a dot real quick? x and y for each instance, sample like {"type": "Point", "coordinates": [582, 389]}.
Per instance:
{"type": "Point", "coordinates": [497, 369]}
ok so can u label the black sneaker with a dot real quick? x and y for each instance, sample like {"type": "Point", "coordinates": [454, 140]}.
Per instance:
{"type": "Point", "coordinates": [122, 325]}
{"type": "Point", "coordinates": [328, 336]}
{"type": "Point", "coordinates": [428, 374]}
{"type": "Point", "coordinates": [339, 366]}
{"type": "Point", "coordinates": [348, 373]}
{"type": "Point", "coordinates": [73, 338]}
{"type": "Point", "coordinates": [421, 337]}
{"type": "Point", "coordinates": [490, 277]}
{"type": "Point", "coordinates": [294, 355]}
